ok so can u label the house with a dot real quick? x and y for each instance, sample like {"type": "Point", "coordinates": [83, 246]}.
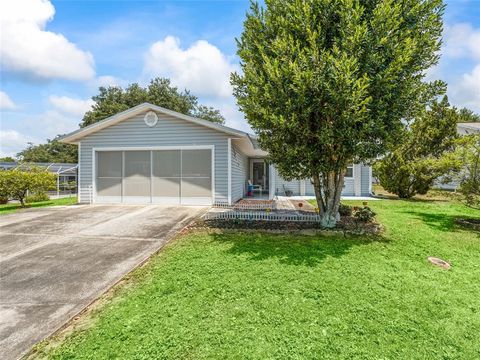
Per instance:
{"type": "Point", "coordinates": [468, 128]}
{"type": "Point", "coordinates": [148, 154]}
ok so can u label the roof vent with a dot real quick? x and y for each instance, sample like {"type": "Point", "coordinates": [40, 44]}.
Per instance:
{"type": "Point", "coordinates": [151, 118]}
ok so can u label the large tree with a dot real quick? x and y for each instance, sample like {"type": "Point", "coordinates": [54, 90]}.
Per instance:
{"type": "Point", "coordinates": [326, 83]}
{"type": "Point", "coordinates": [114, 99]}
{"type": "Point", "coordinates": [424, 154]}
{"type": "Point", "coordinates": [52, 151]}
{"type": "Point", "coordinates": [467, 115]}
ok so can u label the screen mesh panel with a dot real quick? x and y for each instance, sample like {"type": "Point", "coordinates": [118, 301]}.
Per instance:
{"type": "Point", "coordinates": [109, 173]}
{"type": "Point", "coordinates": [166, 173]}
{"type": "Point", "coordinates": [137, 173]}
{"type": "Point", "coordinates": [196, 163]}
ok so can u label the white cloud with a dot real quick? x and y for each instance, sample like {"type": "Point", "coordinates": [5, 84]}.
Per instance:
{"type": "Point", "coordinates": [67, 105]}
{"type": "Point", "coordinates": [462, 40]}
{"type": "Point", "coordinates": [27, 48]}
{"type": "Point", "coordinates": [11, 142]}
{"type": "Point", "coordinates": [467, 92]}
{"type": "Point", "coordinates": [108, 80]}
{"type": "Point", "coordinates": [6, 103]}
{"type": "Point", "coordinates": [202, 68]}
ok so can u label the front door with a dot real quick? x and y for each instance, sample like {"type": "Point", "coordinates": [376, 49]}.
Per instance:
{"type": "Point", "coordinates": [259, 173]}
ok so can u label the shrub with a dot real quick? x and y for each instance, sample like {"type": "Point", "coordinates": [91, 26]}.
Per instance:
{"type": "Point", "coordinates": [3, 199]}
{"type": "Point", "coordinates": [41, 196]}
{"type": "Point", "coordinates": [345, 210]}
{"type": "Point", "coordinates": [15, 184]}
{"type": "Point", "coordinates": [364, 214]}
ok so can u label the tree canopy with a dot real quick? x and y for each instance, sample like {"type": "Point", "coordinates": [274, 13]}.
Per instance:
{"type": "Point", "coordinates": [52, 151]}
{"type": "Point", "coordinates": [413, 166]}
{"type": "Point", "coordinates": [467, 115]}
{"type": "Point", "coordinates": [114, 99]}
{"type": "Point", "coordinates": [327, 83]}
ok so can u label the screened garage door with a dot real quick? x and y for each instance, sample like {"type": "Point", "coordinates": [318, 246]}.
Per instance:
{"type": "Point", "coordinates": [154, 176]}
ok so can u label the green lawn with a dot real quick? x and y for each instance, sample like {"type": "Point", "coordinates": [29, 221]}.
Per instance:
{"type": "Point", "coordinates": [219, 296]}
{"type": "Point", "coordinates": [13, 207]}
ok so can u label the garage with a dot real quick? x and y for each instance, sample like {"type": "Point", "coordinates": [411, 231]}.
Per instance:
{"type": "Point", "coordinates": [157, 176]}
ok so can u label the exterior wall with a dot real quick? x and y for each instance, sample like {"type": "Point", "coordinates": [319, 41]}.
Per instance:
{"type": "Point", "coordinates": [239, 173]}
{"type": "Point", "coordinates": [366, 180]}
{"type": "Point", "coordinates": [281, 185]}
{"type": "Point", "coordinates": [348, 190]}
{"type": "Point", "coordinates": [169, 131]}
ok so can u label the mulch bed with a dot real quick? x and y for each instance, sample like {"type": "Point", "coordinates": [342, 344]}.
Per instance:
{"type": "Point", "coordinates": [468, 223]}
{"type": "Point", "coordinates": [345, 225]}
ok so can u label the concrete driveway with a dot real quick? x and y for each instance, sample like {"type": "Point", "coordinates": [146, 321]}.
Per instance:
{"type": "Point", "coordinates": [55, 261]}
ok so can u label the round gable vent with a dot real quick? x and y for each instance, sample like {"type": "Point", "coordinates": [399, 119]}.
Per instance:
{"type": "Point", "coordinates": [150, 118]}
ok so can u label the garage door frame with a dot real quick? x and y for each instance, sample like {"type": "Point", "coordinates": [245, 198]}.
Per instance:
{"type": "Point", "coordinates": [95, 150]}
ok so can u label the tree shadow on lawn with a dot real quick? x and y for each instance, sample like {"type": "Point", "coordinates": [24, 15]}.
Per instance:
{"type": "Point", "coordinates": [293, 249]}
{"type": "Point", "coordinates": [440, 222]}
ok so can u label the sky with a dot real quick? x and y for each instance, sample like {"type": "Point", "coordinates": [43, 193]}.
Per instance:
{"type": "Point", "coordinates": [55, 55]}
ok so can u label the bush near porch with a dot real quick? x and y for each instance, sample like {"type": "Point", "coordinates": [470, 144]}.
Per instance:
{"type": "Point", "coordinates": [237, 295]}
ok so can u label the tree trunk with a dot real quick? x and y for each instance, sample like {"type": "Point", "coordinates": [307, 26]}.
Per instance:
{"type": "Point", "coordinates": [328, 195]}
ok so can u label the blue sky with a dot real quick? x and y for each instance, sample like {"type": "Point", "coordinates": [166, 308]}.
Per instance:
{"type": "Point", "coordinates": [56, 54]}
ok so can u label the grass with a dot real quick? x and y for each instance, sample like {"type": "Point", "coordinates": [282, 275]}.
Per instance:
{"type": "Point", "coordinates": [261, 296]}
{"type": "Point", "coordinates": [13, 207]}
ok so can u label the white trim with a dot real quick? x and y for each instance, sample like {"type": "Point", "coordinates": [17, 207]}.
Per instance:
{"type": "Point", "coordinates": [229, 171]}
{"type": "Point", "coordinates": [185, 201]}
{"type": "Point", "coordinates": [271, 191]}
{"type": "Point", "coordinates": [94, 176]}
{"type": "Point", "coordinates": [140, 148]}
{"type": "Point", "coordinates": [75, 136]}
{"type": "Point", "coordinates": [79, 190]}
{"type": "Point", "coordinates": [357, 179]}
{"type": "Point", "coordinates": [370, 176]}
{"type": "Point", "coordinates": [213, 174]}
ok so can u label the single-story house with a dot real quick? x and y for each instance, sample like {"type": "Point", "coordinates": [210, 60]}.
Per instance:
{"type": "Point", "coordinates": [468, 128]}
{"type": "Point", "coordinates": [148, 154]}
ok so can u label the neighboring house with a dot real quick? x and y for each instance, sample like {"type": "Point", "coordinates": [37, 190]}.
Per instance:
{"type": "Point", "coordinates": [149, 154]}
{"type": "Point", "coordinates": [468, 128]}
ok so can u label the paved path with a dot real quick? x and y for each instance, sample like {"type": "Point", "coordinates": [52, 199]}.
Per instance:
{"type": "Point", "coordinates": [55, 261]}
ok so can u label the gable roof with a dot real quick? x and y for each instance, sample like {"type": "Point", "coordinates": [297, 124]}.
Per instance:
{"type": "Point", "coordinates": [471, 126]}
{"type": "Point", "coordinates": [75, 136]}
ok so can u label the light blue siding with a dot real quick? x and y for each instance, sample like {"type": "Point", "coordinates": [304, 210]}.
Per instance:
{"type": "Point", "coordinates": [169, 131]}
{"type": "Point", "coordinates": [239, 173]}
{"type": "Point", "coordinates": [366, 180]}
{"type": "Point", "coordinates": [348, 189]}
{"type": "Point", "coordinates": [281, 185]}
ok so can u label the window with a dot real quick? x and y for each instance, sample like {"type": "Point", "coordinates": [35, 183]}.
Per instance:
{"type": "Point", "coordinates": [349, 173]}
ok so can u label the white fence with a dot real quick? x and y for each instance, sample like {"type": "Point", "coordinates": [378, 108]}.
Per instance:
{"type": "Point", "coordinates": [256, 216]}
{"type": "Point", "coordinates": [247, 206]}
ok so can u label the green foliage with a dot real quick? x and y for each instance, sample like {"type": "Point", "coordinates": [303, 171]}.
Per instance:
{"type": "Point", "coordinates": [345, 210]}
{"type": "Point", "coordinates": [41, 196]}
{"type": "Point", "coordinates": [467, 115]}
{"type": "Point", "coordinates": [364, 214]}
{"type": "Point", "coordinates": [467, 153]}
{"type": "Point", "coordinates": [52, 151]}
{"type": "Point", "coordinates": [413, 166]}
{"type": "Point", "coordinates": [327, 83]}
{"type": "Point", "coordinates": [112, 100]}
{"type": "Point", "coordinates": [7, 159]}
{"type": "Point", "coordinates": [15, 184]}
